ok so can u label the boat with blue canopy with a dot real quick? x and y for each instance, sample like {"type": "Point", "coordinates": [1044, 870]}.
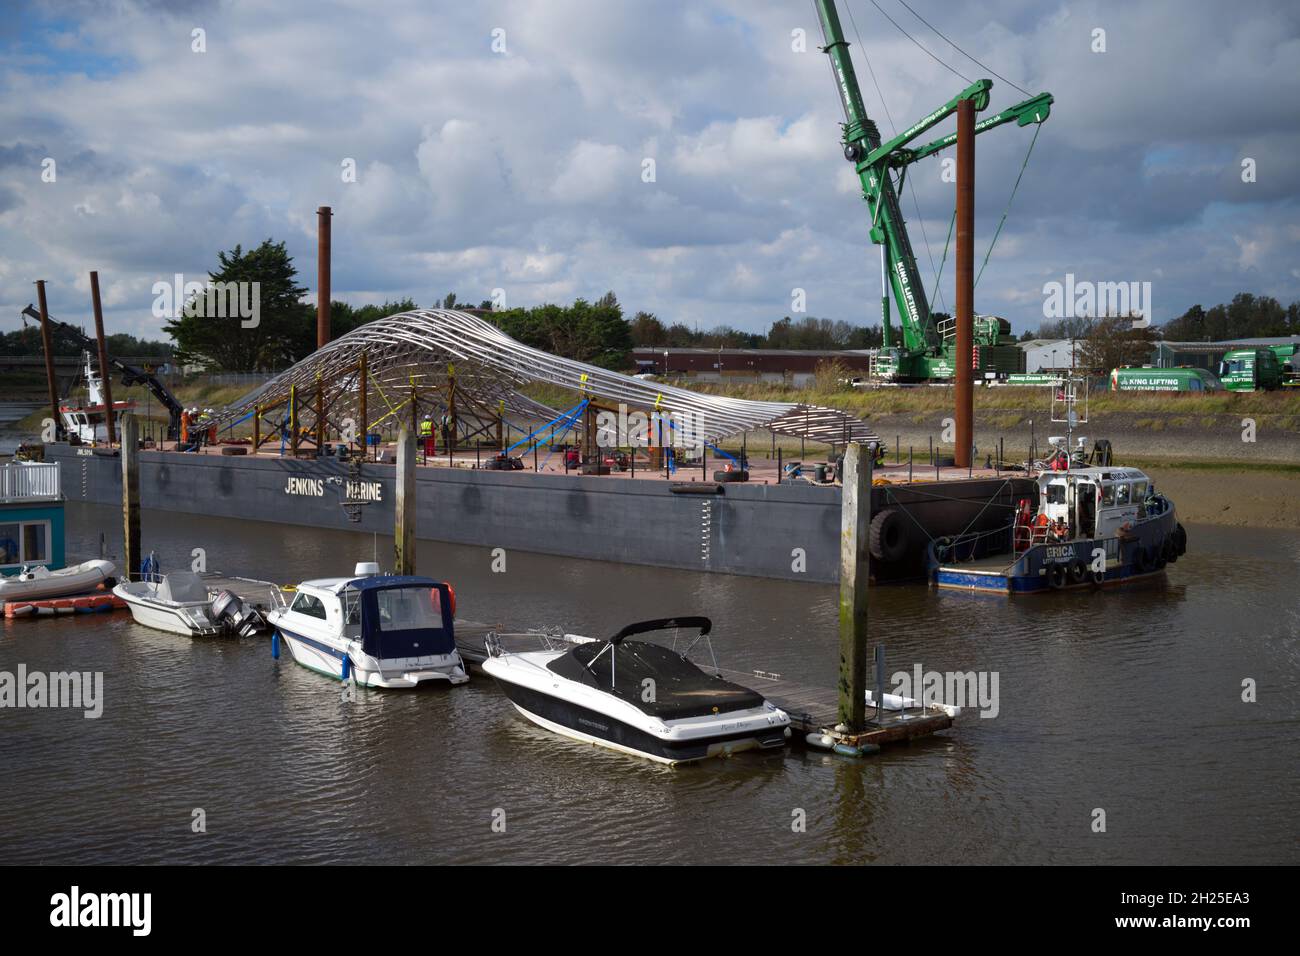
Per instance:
{"type": "Point", "coordinates": [390, 631]}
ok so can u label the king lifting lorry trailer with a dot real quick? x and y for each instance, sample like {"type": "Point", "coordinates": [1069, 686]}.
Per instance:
{"type": "Point", "coordinates": [921, 350]}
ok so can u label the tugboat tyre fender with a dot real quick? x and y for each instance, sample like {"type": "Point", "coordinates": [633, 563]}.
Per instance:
{"type": "Point", "coordinates": [1078, 572]}
{"type": "Point", "coordinates": [1098, 578]}
{"type": "Point", "coordinates": [1057, 575]}
{"type": "Point", "coordinates": [1180, 539]}
{"type": "Point", "coordinates": [887, 536]}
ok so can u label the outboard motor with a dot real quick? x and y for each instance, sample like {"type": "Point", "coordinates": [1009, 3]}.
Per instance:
{"type": "Point", "coordinates": [228, 609]}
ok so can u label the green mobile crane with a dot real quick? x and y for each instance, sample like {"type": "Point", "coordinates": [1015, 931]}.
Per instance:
{"type": "Point", "coordinates": [923, 351]}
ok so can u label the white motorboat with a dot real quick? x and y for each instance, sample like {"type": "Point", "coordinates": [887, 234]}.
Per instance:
{"type": "Point", "coordinates": [179, 603]}
{"type": "Point", "coordinates": [637, 697]}
{"type": "Point", "coordinates": [37, 582]}
{"type": "Point", "coordinates": [386, 631]}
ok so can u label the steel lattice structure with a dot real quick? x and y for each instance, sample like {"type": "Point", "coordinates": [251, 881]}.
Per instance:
{"type": "Point", "coordinates": [410, 356]}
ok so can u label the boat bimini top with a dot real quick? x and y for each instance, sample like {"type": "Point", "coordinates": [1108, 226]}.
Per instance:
{"type": "Point", "coordinates": [657, 680]}
{"type": "Point", "coordinates": [401, 616]}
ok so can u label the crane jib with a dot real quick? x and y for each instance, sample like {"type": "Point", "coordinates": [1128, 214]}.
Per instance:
{"type": "Point", "coordinates": [923, 355]}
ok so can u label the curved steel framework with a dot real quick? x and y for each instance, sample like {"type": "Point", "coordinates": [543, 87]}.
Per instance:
{"type": "Point", "coordinates": [439, 362]}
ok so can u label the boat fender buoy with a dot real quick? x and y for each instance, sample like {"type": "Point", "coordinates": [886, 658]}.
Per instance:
{"type": "Point", "coordinates": [1078, 572]}
{"type": "Point", "coordinates": [860, 750]}
{"type": "Point", "coordinates": [1098, 577]}
{"type": "Point", "coordinates": [887, 536]}
{"type": "Point", "coordinates": [821, 741]}
{"type": "Point", "coordinates": [1180, 539]}
{"type": "Point", "coordinates": [1056, 575]}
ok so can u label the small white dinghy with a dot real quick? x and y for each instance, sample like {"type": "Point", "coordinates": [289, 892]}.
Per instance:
{"type": "Point", "coordinates": [38, 582]}
{"type": "Point", "coordinates": [179, 603]}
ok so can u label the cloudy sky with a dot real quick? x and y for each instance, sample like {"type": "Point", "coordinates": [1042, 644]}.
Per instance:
{"type": "Point", "coordinates": [521, 168]}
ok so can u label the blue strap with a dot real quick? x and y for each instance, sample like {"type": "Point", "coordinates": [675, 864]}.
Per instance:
{"type": "Point", "coordinates": [564, 416]}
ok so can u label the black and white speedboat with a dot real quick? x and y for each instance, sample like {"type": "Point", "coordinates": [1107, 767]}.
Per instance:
{"type": "Point", "coordinates": [637, 697]}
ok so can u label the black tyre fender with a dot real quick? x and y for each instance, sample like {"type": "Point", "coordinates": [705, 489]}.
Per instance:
{"type": "Point", "coordinates": [1098, 577]}
{"type": "Point", "coordinates": [1078, 572]}
{"type": "Point", "coordinates": [1180, 539]}
{"type": "Point", "coordinates": [887, 539]}
{"type": "Point", "coordinates": [1057, 575]}
{"type": "Point", "coordinates": [730, 476]}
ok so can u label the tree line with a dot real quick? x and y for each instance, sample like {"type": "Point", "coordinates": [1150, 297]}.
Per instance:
{"type": "Point", "coordinates": [808, 332]}
{"type": "Point", "coordinates": [1247, 316]}
{"type": "Point", "coordinates": [27, 341]}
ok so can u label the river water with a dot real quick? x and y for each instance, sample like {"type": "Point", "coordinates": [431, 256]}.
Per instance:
{"type": "Point", "coordinates": [1129, 701]}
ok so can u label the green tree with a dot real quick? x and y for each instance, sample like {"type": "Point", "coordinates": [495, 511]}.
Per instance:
{"type": "Point", "coordinates": [285, 330]}
{"type": "Point", "coordinates": [647, 330]}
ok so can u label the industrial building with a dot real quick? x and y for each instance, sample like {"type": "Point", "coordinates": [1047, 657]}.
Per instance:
{"type": "Point", "coordinates": [1050, 355]}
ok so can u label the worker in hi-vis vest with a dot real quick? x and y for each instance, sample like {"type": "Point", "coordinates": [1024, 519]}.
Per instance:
{"type": "Point", "coordinates": [426, 435]}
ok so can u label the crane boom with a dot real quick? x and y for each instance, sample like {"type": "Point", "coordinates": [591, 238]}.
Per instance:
{"type": "Point", "coordinates": [924, 351]}
{"type": "Point", "coordinates": [861, 139]}
{"type": "Point", "coordinates": [130, 374]}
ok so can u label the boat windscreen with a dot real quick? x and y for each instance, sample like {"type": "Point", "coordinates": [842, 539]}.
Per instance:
{"type": "Point", "coordinates": [654, 679]}
{"type": "Point", "coordinates": [183, 587]}
{"type": "Point", "coordinates": [406, 621]}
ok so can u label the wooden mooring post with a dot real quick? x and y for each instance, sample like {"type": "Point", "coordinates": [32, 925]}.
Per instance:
{"type": "Point", "coordinates": [131, 496]}
{"type": "Point", "coordinates": [855, 520]}
{"type": "Point", "coordinates": [46, 346]}
{"type": "Point", "coordinates": [404, 507]}
{"type": "Point", "coordinates": [105, 375]}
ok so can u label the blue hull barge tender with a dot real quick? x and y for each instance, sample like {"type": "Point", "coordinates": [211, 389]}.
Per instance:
{"type": "Point", "coordinates": [1092, 527]}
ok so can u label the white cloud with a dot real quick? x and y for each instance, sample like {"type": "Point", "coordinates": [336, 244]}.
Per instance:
{"type": "Point", "coordinates": [594, 171]}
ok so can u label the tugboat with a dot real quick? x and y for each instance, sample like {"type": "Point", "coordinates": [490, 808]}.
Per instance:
{"type": "Point", "coordinates": [88, 422]}
{"type": "Point", "coordinates": [1094, 525]}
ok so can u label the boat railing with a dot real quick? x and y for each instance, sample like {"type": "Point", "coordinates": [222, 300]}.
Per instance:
{"type": "Point", "coordinates": [497, 643]}
{"type": "Point", "coordinates": [38, 481]}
